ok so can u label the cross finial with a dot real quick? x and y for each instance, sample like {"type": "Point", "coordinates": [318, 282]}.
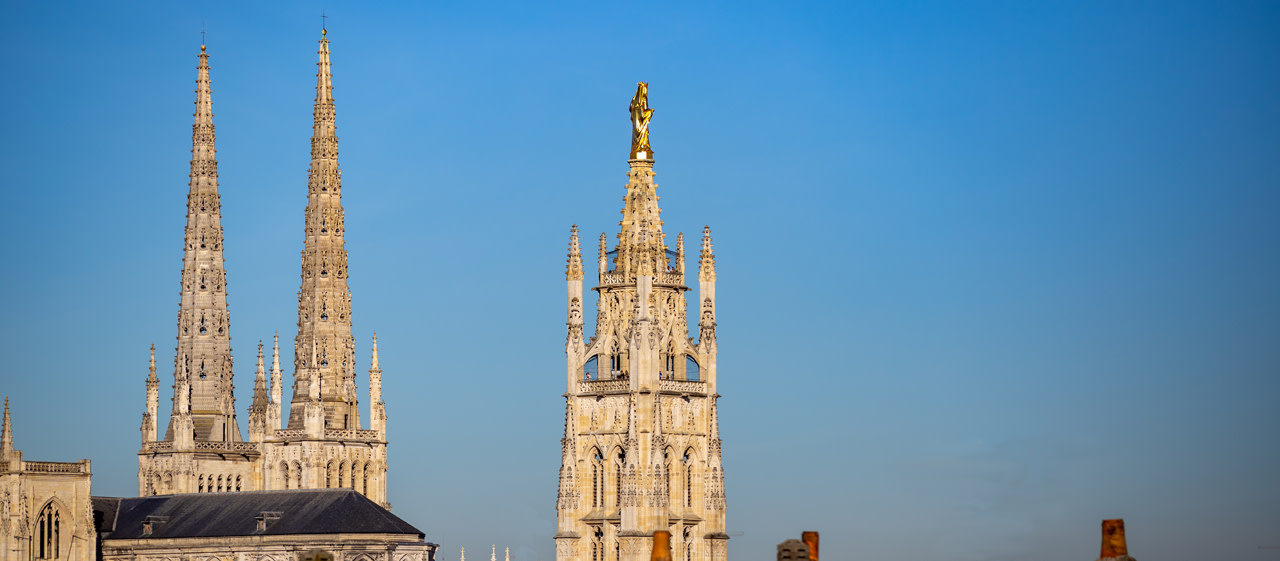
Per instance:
{"type": "Point", "coordinates": [201, 35]}
{"type": "Point", "coordinates": [324, 21]}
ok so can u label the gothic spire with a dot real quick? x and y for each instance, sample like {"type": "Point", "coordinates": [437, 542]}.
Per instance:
{"type": "Point", "coordinates": [259, 407]}
{"type": "Point", "coordinates": [706, 259]}
{"type": "Point", "coordinates": [274, 413]}
{"type": "Point", "coordinates": [6, 434]}
{"type": "Point", "coordinates": [574, 270]}
{"type": "Point", "coordinates": [203, 385]}
{"type": "Point", "coordinates": [377, 408]}
{"type": "Point", "coordinates": [149, 420]}
{"type": "Point", "coordinates": [324, 300]}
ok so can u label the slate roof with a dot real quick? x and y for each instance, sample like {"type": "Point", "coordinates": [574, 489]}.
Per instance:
{"type": "Point", "coordinates": [304, 511]}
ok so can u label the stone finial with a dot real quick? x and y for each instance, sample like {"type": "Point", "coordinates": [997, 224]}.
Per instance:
{"type": "Point", "coordinates": [706, 259]}
{"type": "Point", "coordinates": [508, 554]}
{"type": "Point", "coordinates": [1113, 543]}
{"type": "Point", "coordinates": [811, 539]}
{"type": "Point", "coordinates": [373, 365]}
{"type": "Point", "coordinates": [604, 253]}
{"type": "Point", "coordinates": [493, 555]}
{"type": "Point", "coordinates": [574, 271]}
{"type": "Point", "coordinates": [260, 395]}
{"type": "Point", "coordinates": [661, 546]}
{"type": "Point", "coordinates": [151, 375]}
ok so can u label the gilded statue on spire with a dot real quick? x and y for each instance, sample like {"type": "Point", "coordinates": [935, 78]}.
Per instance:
{"type": "Point", "coordinates": [640, 115]}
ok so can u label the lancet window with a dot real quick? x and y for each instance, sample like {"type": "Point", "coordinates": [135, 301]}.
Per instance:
{"type": "Point", "coordinates": [48, 532]}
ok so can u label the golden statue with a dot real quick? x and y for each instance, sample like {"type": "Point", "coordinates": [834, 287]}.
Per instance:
{"type": "Point", "coordinates": [640, 115]}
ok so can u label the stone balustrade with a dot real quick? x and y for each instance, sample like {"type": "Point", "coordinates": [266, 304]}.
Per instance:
{"type": "Point", "coordinates": [604, 386]}
{"type": "Point", "coordinates": [682, 386]}
{"type": "Point", "coordinates": [161, 446]}
{"type": "Point", "coordinates": [227, 446]}
{"type": "Point", "coordinates": [56, 467]}
{"type": "Point", "coordinates": [351, 434]}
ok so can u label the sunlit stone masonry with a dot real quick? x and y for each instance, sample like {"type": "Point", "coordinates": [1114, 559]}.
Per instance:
{"type": "Point", "coordinates": [641, 447]}
{"type": "Point", "coordinates": [323, 444]}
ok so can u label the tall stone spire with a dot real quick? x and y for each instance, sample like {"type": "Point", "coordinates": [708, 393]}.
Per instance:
{"type": "Point", "coordinates": [324, 348]}
{"type": "Point", "coordinates": [203, 403]}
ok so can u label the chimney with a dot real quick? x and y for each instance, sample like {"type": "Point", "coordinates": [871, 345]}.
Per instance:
{"type": "Point", "coordinates": [811, 539]}
{"type": "Point", "coordinates": [793, 550]}
{"type": "Point", "coordinates": [1113, 544]}
{"type": "Point", "coordinates": [661, 546]}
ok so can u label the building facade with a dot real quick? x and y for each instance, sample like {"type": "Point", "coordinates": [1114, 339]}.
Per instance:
{"type": "Point", "coordinates": [45, 508]}
{"type": "Point", "coordinates": [641, 447]}
{"type": "Point", "coordinates": [322, 444]}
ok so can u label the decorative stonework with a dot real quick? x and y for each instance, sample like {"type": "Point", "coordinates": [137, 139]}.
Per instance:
{"type": "Point", "coordinates": [322, 443]}
{"type": "Point", "coordinates": [641, 448]}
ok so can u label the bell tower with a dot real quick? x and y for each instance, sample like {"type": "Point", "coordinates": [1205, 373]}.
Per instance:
{"type": "Point", "coordinates": [641, 449]}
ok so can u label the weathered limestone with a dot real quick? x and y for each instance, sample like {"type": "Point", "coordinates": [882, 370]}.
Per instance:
{"type": "Point", "coordinates": [45, 509]}
{"type": "Point", "coordinates": [202, 448]}
{"type": "Point", "coordinates": [641, 451]}
{"type": "Point", "coordinates": [323, 444]}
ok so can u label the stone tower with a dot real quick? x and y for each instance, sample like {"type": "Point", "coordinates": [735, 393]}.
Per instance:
{"type": "Point", "coordinates": [323, 444]}
{"type": "Point", "coordinates": [202, 445]}
{"type": "Point", "coordinates": [641, 449]}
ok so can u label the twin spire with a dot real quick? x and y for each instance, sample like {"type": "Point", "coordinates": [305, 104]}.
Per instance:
{"type": "Point", "coordinates": [203, 401]}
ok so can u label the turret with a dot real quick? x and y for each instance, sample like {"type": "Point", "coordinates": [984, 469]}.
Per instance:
{"type": "Point", "coordinates": [377, 409]}
{"type": "Point", "coordinates": [274, 412]}
{"type": "Point", "coordinates": [573, 280]}
{"type": "Point", "coordinates": [258, 409]}
{"type": "Point", "coordinates": [707, 310]}
{"type": "Point", "coordinates": [149, 418]}
{"type": "Point", "coordinates": [7, 453]}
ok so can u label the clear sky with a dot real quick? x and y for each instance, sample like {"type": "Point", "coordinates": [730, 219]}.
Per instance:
{"type": "Point", "coordinates": [989, 273]}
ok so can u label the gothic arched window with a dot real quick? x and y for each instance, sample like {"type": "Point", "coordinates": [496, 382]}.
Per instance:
{"type": "Point", "coordinates": [622, 460]}
{"type": "Point", "coordinates": [48, 532]}
{"type": "Point", "coordinates": [597, 480]}
{"type": "Point", "coordinates": [691, 371]}
{"type": "Point", "coordinates": [688, 478]}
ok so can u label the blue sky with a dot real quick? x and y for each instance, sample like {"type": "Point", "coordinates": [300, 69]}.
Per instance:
{"type": "Point", "coordinates": [988, 272]}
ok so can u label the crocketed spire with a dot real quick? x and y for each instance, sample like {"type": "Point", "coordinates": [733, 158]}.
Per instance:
{"type": "Point", "coordinates": [324, 348]}
{"type": "Point", "coordinates": [203, 401]}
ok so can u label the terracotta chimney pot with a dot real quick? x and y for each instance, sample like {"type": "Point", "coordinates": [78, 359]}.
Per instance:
{"type": "Point", "coordinates": [811, 539]}
{"type": "Point", "coordinates": [661, 546]}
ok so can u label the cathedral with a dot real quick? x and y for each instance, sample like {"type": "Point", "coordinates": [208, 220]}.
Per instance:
{"type": "Point", "coordinates": [321, 444]}
{"type": "Point", "coordinates": [641, 447]}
